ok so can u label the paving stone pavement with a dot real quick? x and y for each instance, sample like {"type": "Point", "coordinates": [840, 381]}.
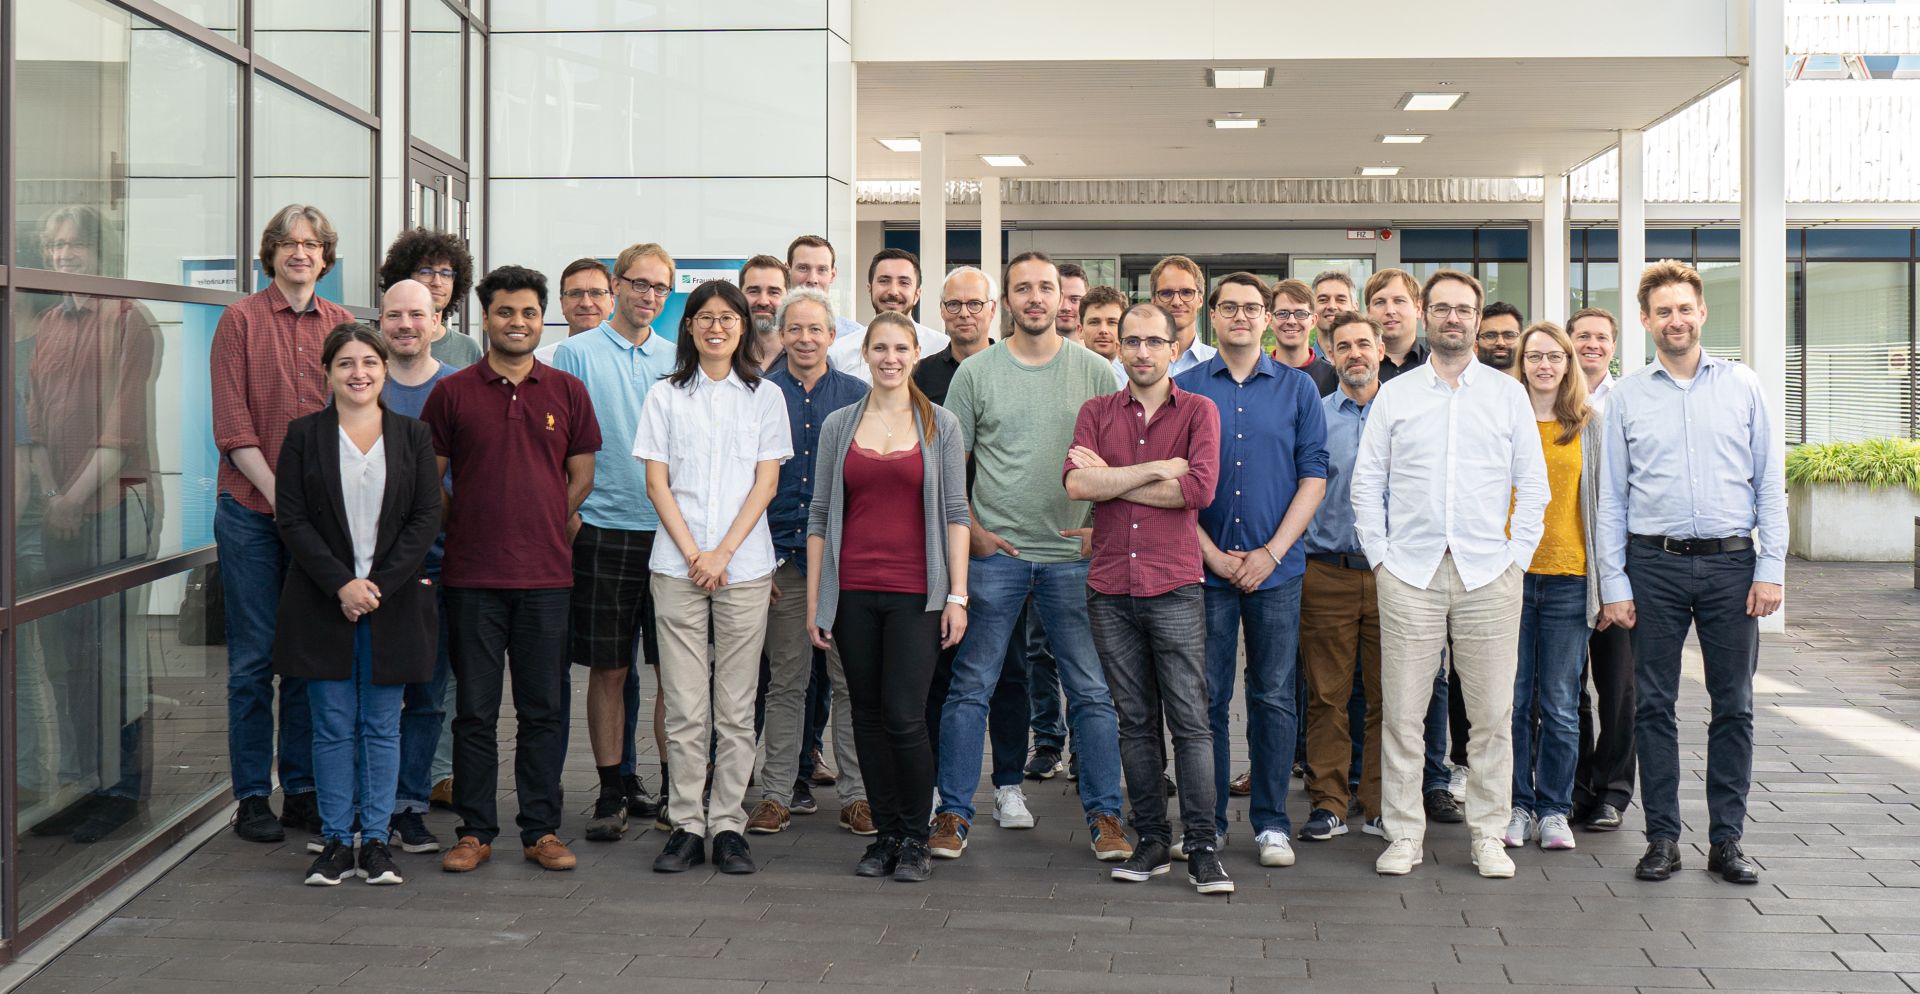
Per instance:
{"type": "Point", "coordinates": [1833, 821]}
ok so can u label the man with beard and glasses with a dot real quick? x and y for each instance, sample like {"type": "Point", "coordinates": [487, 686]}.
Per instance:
{"type": "Point", "coordinates": [1449, 498]}
{"type": "Point", "coordinates": [893, 284]}
{"type": "Point", "coordinates": [1499, 339]}
{"type": "Point", "coordinates": [1073, 287]}
{"type": "Point", "coordinates": [1393, 299]}
{"type": "Point", "coordinates": [765, 281]}
{"type": "Point", "coordinates": [586, 299]}
{"type": "Point", "coordinates": [1292, 317]}
{"type": "Point", "coordinates": [1178, 286]}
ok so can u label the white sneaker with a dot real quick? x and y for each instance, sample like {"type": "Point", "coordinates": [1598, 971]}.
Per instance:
{"type": "Point", "coordinates": [1401, 856]}
{"type": "Point", "coordinates": [1555, 833]}
{"type": "Point", "coordinates": [1010, 807]}
{"type": "Point", "coordinates": [1457, 785]}
{"type": "Point", "coordinates": [1275, 850]}
{"type": "Point", "coordinates": [1491, 859]}
{"type": "Point", "coordinates": [1520, 828]}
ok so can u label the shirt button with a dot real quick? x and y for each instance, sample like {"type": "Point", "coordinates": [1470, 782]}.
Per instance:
{"type": "Point", "coordinates": [1239, 436]}
{"type": "Point", "coordinates": [1236, 493]}
{"type": "Point", "coordinates": [1136, 524]}
{"type": "Point", "coordinates": [1133, 555]}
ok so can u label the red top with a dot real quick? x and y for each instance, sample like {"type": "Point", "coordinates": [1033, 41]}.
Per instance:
{"type": "Point", "coordinates": [887, 552]}
{"type": "Point", "coordinates": [1141, 551]}
{"type": "Point", "coordinates": [266, 372]}
{"type": "Point", "coordinates": [93, 363]}
{"type": "Point", "coordinates": [507, 447]}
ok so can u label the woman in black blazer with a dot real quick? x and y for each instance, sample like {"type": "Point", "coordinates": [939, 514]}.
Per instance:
{"type": "Point", "coordinates": [358, 505]}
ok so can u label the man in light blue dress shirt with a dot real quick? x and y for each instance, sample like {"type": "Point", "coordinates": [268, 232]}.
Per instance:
{"type": "Point", "coordinates": [1692, 469]}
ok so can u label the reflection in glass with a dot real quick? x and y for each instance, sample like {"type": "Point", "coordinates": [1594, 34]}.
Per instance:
{"type": "Point", "coordinates": [1858, 385]}
{"type": "Point", "coordinates": [1507, 281]}
{"type": "Point", "coordinates": [305, 153]}
{"type": "Point", "coordinates": [220, 16]}
{"type": "Point", "coordinates": [435, 82]}
{"type": "Point", "coordinates": [328, 44]}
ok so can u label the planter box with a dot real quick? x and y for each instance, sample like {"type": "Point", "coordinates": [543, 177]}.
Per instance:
{"type": "Point", "coordinates": [1848, 522]}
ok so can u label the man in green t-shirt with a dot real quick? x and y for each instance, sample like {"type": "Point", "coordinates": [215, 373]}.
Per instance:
{"type": "Point", "coordinates": [1017, 403]}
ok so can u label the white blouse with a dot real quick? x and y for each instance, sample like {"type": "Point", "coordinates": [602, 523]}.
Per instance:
{"type": "Point", "coordinates": [363, 482]}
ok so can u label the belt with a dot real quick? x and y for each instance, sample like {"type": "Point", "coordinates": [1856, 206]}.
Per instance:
{"type": "Point", "coordinates": [1344, 560]}
{"type": "Point", "coordinates": [1695, 546]}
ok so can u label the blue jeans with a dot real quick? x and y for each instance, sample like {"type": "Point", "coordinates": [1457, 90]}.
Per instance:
{"type": "Point", "coordinates": [999, 585]}
{"type": "Point", "coordinates": [1271, 620]}
{"type": "Point", "coordinates": [1434, 774]}
{"type": "Point", "coordinates": [630, 730]}
{"type": "Point", "coordinates": [356, 746]}
{"type": "Point", "coordinates": [422, 718]}
{"type": "Point", "coordinates": [1553, 645]}
{"type": "Point", "coordinates": [1043, 687]}
{"type": "Point", "coordinates": [253, 565]}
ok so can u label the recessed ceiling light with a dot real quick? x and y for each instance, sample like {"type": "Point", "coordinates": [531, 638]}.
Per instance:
{"type": "Point", "coordinates": [1005, 161]}
{"type": "Point", "coordinates": [1402, 139]}
{"type": "Point", "coordinates": [1239, 79]}
{"type": "Point", "coordinates": [1379, 170]}
{"type": "Point", "coordinates": [1430, 101]}
{"type": "Point", "coordinates": [900, 144]}
{"type": "Point", "coordinates": [1228, 123]}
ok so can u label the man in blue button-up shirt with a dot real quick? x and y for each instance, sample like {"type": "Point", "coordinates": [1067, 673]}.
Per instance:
{"type": "Point", "coordinates": [813, 390]}
{"type": "Point", "coordinates": [1273, 468]}
{"type": "Point", "coordinates": [1692, 468]}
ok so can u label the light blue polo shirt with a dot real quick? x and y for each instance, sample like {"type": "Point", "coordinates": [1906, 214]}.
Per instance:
{"type": "Point", "coordinates": [618, 376]}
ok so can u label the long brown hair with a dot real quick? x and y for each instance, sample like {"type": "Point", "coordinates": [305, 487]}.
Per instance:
{"type": "Point", "coordinates": [1570, 402]}
{"type": "Point", "coordinates": [922, 407]}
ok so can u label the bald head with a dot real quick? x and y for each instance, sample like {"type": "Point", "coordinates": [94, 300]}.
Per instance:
{"type": "Point", "coordinates": [407, 319]}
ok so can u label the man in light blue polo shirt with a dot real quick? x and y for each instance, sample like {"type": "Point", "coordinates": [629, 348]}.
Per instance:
{"type": "Point", "coordinates": [613, 533]}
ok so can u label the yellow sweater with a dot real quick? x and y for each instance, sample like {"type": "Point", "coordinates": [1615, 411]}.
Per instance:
{"type": "Point", "coordinates": [1563, 547]}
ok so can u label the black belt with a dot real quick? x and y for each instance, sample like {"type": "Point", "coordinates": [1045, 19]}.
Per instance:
{"type": "Point", "coordinates": [1344, 560]}
{"type": "Point", "coordinates": [1695, 546]}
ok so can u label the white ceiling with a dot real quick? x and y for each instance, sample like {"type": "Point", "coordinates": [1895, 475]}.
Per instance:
{"type": "Point", "coordinates": [1107, 120]}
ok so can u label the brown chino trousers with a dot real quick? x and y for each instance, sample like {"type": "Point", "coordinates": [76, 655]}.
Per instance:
{"type": "Point", "coordinates": [1339, 618]}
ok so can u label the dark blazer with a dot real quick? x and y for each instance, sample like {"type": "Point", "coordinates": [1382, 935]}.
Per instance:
{"type": "Point", "coordinates": [313, 639]}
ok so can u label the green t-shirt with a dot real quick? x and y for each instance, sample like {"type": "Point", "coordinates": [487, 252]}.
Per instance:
{"type": "Point", "coordinates": [456, 349]}
{"type": "Point", "coordinates": [1017, 420]}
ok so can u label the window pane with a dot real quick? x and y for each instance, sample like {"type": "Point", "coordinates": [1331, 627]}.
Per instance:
{"type": "Point", "coordinates": [304, 153]}
{"type": "Point", "coordinates": [220, 16]}
{"type": "Point", "coordinates": [434, 79]}
{"type": "Point", "coordinates": [1302, 267]}
{"type": "Point", "coordinates": [1435, 243]}
{"type": "Point", "coordinates": [1721, 335]}
{"type": "Point", "coordinates": [104, 691]}
{"type": "Point", "coordinates": [1857, 353]}
{"type": "Point", "coordinates": [1507, 281]}
{"type": "Point", "coordinates": [329, 44]}
{"type": "Point", "coordinates": [130, 167]}
{"type": "Point", "coordinates": [1503, 243]}
{"type": "Point", "coordinates": [113, 417]}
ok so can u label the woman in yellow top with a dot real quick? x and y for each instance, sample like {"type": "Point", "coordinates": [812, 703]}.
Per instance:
{"type": "Point", "coordinates": [1561, 594]}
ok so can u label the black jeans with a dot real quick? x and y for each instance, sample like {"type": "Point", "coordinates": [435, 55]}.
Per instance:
{"type": "Point", "coordinates": [489, 628]}
{"type": "Point", "coordinates": [1154, 652]}
{"type": "Point", "coordinates": [1604, 774]}
{"type": "Point", "coordinates": [1672, 593]}
{"type": "Point", "coordinates": [889, 644]}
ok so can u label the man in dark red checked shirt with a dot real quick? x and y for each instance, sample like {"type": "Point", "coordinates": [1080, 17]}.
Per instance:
{"type": "Point", "coordinates": [1149, 456]}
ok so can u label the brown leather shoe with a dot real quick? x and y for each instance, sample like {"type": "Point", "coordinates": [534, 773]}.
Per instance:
{"type": "Point", "coordinates": [949, 838]}
{"type": "Point", "coordinates": [550, 853]}
{"type": "Point", "coordinates": [858, 818]}
{"type": "Point", "coordinates": [1110, 843]}
{"type": "Point", "coordinates": [823, 775]}
{"type": "Point", "coordinates": [442, 794]}
{"type": "Point", "coordinates": [465, 855]}
{"type": "Point", "coordinates": [769, 817]}
{"type": "Point", "coordinates": [1242, 785]}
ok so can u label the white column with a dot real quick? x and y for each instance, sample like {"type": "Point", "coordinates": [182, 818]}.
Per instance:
{"type": "Point", "coordinates": [933, 212]}
{"type": "Point", "coordinates": [1551, 261]}
{"type": "Point", "coordinates": [990, 260]}
{"type": "Point", "coordinates": [1632, 347]}
{"type": "Point", "coordinates": [1763, 217]}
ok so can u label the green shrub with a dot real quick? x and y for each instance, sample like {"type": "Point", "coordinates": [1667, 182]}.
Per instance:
{"type": "Point", "coordinates": [1877, 463]}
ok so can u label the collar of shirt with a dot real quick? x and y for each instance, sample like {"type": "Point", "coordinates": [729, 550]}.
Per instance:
{"type": "Point", "coordinates": [1216, 365]}
{"type": "Point", "coordinates": [278, 301]}
{"type": "Point", "coordinates": [496, 376]}
{"type": "Point", "coordinates": [1707, 361]}
{"type": "Point", "coordinates": [1469, 376]}
{"type": "Point", "coordinates": [649, 347]}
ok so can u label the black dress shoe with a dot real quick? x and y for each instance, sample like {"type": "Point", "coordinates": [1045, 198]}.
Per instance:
{"type": "Point", "coordinates": [730, 853]}
{"type": "Point", "coordinates": [1734, 866]}
{"type": "Point", "coordinates": [301, 812]}
{"type": "Point", "coordinates": [1661, 859]}
{"type": "Point", "coordinates": [1441, 807]}
{"type": "Point", "coordinates": [255, 822]}
{"type": "Point", "coordinates": [684, 851]}
{"type": "Point", "coordinates": [1603, 818]}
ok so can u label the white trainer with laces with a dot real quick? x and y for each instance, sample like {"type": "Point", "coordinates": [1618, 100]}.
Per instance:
{"type": "Point", "coordinates": [1457, 785]}
{"type": "Point", "coordinates": [1275, 850]}
{"type": "Point", "coordinates": [1399, 859]}
{"type": "Point", "coordinates": [1520, 829]}
{"type": "Point", "coordinates": [1491, 859]}
{"type": "Point", "coordinates": [1555, 833]}
{"type": "Point", "coordinates": [1010, 807]}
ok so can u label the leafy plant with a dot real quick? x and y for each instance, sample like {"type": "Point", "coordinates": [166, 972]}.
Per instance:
{"type": "Point", "coordinates": [1877, 463]}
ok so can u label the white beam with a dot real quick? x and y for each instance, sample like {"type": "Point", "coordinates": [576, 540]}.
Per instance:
{"type": "Point", "coordinates": [1548, 276]}
{"type": "Point", "coordinates": [990, 260]}
{"type": "Point", "coordinates": [1632, 348]}
{"type": "Point", "coordinates": [1763, 217]}
{"type": "Point", "coordinates": [933, 217]}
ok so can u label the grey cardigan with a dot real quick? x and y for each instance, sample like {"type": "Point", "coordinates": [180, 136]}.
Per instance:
{"type": "Point", "coordinates": [943, 499]}
{"type": "Point", "coordinates": [1590, 440]}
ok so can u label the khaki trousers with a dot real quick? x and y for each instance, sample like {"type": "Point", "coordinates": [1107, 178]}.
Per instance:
{"type": "Point", "coordinates": [789, 671]}
{"type": "Point", "coordinates": [709, 703]}
{"type": "Point", "coordinates": [1339, 619]}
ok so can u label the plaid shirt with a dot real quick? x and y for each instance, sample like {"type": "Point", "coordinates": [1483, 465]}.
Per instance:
{"type": "Point", "coordinates": [266, 372]}
{"type": "Point", "coordinates": [90, 374]}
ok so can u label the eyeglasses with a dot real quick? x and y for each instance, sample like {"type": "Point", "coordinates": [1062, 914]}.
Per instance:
{"type": "Point", "coordinates": [643, 287]}
{"type": "Point", "coordinates": [1550, 358]}
{"type": "Point", "coordinates": [576, 294]}
{"type": "Point", "coordinates": [954, 307]}
{"type": "Point", "coordinates": [1505, 337]}
{"type": "Point", "coordinates": [705, 322]}
{"type": "Point", "coordinates": [1185, 295]}
{"type": "Point", "coordinates": [425, 273]}
{"type": "Point", "coordinates": [1300, 315]}
{"type": "Point", "coordinates": [1440, 312]}
{"type": "Point", "coordinates": [1230, 310]}
{"type": "Point", "coordinates": [309, 245]}
{"type": "Point", "coordinates": [1133, 343]}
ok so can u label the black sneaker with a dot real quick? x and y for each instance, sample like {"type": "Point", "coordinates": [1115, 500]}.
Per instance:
{"type": "Point", "coordinates": [880, 858]}
{"type": "Point", "coordinates": [1323, 825]}
{"type": "Point", "coordinates": [609, 820]}
{"type": "Point", "coordinates": [913, 863]}
{"type": "Point", "coordinates": [1149, 860]}
{"type": "Point", "coordinates": [1299, 769]}
{"type": "Point", "coordinates": [1044, 764]}
{"type": "Point", "coordinates": [1173, 789]}
{"type": "Point", "coordinates": [301, 812]}
{"type": "Point", "coordinates": [640, 804]}
{"type": "Point", "coordinates": [1073, 767]}
{"type": "Point", "coordinates": [410, 828]}
{"type": "Point", "coordinates": [107, 815]}
{"type": "Point", "coordinates": [684, 851]}
{"type": "Point", "coordinates": [376, 864]}
{"type": "Point", "coordinates": [334, 864]}
{"type": "Point", "coordinates": [1441, 807]}
{"type": "Point", "coordinates": [803, 802]}
{"type": "Point", "coordinates": [255, 822]}
{"type": "Point", "coordinates": [1206, 874]}
{"type": "Point", "coordinates": [731, 855]}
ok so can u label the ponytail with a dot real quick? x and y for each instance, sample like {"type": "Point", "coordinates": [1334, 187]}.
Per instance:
{"type": "Point", "coordinates": [922, 409]}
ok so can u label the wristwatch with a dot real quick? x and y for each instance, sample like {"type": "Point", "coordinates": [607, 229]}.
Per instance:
{"type": "Point", "coordinates": [960, 599]}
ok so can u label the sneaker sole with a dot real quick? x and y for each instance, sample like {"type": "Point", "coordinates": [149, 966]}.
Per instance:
{"type": "Point", "coordinates": [1284, 857]}
{"type": "Point", "coordinates": [1334, 834]}
{"type": "Point", "coordinates": [385, 879]}
{"type": "Point", "coordinates": [1373, 830]}
{"type": "Point", "coordinates": [1216, 887]}
{"type": "Point", "coordinates": [764, 830]}
{"type": "Point", "coordinates": [605, 832]}
{"type": "Point", "coordinates": [944, 853]}
{"type": "Point", "coordinates": [1557, 846]}
{"type": "Point", "coordinates": [1116, 856]}
{"type": "Point", "coordinates": [420, 847]}
{"type": "Point", "coordinates": [1496, 873]}
{"type": "Point", "coordinates": [912, 878]}
{"type": "Point", "coordinates": [320, 880]}
{"type": "Point", "coordinates": [1136, 876]}
{"type": "Point", "coordinates": [1027, 822]}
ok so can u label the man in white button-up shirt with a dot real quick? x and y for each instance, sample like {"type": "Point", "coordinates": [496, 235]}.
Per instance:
{"type": "Point", "coordinates": [1448, 449]}
{"type": "Point", "coordinates": [893, 284]}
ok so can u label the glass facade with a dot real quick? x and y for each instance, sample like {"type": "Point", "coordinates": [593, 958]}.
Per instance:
{"type": "Point", "coordinates": [1497, 257]}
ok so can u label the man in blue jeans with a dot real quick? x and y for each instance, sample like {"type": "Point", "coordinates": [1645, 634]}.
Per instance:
{"type": "Point", "coordinates": [1017, 403]}
{"type": "Point", "coordinates": [1273, 472]}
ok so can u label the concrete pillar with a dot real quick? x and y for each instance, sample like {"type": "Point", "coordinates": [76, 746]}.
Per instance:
{"type": "Point", "coordinates": [990, 261]}
{"type": "Point", "coordinates": [1632, 347]}
{"type": "Point", "coordinates": [1550, 262]}
{"type": "Point", "coordinates": [1763, 217]}
{"type": "Point", "coordinates": [933, 217]}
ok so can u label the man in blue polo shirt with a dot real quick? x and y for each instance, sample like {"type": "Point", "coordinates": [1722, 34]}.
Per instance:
{"type": "Point", "coordinates": [612, 608]}
{"type": "Point", "coordinates": [1273, 469]}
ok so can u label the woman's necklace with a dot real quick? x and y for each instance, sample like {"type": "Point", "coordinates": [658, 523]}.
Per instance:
{"type": "Point", "coordinates": [887, 427]}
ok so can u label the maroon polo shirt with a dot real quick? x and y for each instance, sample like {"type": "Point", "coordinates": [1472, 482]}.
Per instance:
{"type": "Point", "coordinates": [507, 447]}
{"type": "Point", "coordinates": [1141, 551]}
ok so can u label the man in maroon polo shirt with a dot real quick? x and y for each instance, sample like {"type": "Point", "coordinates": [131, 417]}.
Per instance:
{"type": "Point", "coordinates": [519, 437]}
{"type": "Point", "coordinates": [1148, 456]}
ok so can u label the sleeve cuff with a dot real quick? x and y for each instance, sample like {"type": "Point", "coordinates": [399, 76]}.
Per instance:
{"type": "Point", "coordinates": [1770, 571]}
{"type": "Point", "coordinates": [1613, 589]}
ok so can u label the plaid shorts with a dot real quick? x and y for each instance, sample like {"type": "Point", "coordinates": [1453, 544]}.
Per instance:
{"type": "Point", "coordinates": [612, 600]}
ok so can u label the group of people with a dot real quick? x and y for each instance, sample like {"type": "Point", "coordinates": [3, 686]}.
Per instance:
{"type": "Point", "coordinates": [1063, 522]}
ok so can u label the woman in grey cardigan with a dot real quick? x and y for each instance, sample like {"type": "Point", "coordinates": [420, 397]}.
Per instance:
{"type": "Point", "coordinates": [892, 591]}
